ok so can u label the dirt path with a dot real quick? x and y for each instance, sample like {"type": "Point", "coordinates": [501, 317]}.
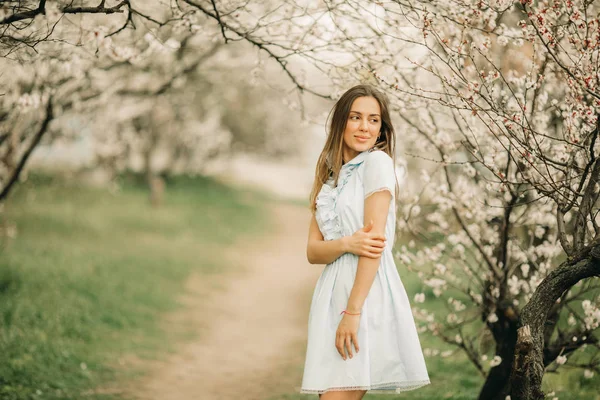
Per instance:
{"type": "Point", "coordinates": [255, 326]}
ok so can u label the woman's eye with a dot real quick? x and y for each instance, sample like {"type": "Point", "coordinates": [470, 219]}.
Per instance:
{"type": "Point", "coordinates": [375, 121]}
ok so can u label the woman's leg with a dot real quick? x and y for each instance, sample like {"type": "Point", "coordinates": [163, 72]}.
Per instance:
{"type": "Point", "coordinates": [343, 395]}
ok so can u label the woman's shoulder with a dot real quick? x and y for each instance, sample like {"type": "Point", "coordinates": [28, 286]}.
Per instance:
{"type": "Point", "coordinates": [379, 159]}
{"type": "Point", "coordinates": [379, 172]}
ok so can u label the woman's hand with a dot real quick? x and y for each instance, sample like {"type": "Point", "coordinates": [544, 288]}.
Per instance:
{"type": "Point", "coordinates": [365, 243]}
{"type": "Point", "coordinates": [347, 334]}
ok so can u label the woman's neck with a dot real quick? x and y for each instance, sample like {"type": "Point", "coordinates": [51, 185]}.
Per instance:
{"type": "Point", "coordinates": [348, 154]}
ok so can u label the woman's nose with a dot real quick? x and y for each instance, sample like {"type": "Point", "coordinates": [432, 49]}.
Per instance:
{"type": "Point", "coordinates": [364, 126]}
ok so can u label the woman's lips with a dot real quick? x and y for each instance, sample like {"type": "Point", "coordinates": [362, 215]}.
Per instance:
{"type": "Point", "coordinates": [362, 139]}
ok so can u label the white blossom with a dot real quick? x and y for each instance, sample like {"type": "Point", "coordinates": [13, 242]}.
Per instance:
{"type": "Point", "coordinates": [497, 360]}
{"type": "Point", "coordinates": [502, 40]}
{"type": "Point", "coordinates": [446, 353]}
{"type": "Point", "coordinates": [492, 318]}
{"type": "Point", "coordinates": [591, 315]}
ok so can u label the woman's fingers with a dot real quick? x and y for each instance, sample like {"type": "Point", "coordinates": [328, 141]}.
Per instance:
{"type": "Point", "coordinates": [348, 343]}
{"type": "Point", "coordinates": [343, 344]}
{"type": "Point", "coordinates": [355, 340]}
{"type": "Point", "coordinates": [376, 243]}
{"type": "Point", "coordinates": [372, 254]}
{"type": "Point", "coordinates": [377, 236]}
{"type": "Point", "coordinates": [373, 250]}
{"type": "Point", "coordinates": [339, 345]}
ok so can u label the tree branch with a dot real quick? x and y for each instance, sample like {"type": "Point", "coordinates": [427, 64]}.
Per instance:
{"type": "Point", "coordinates": [36, 140]}
{"type": "Point", "coordinates": [41, 9]}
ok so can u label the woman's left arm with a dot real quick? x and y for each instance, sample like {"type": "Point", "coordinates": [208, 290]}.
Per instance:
{"type": "Point", "coordinates": [379, 183]}
{"type": "Point", "coordinates": [376, 210]}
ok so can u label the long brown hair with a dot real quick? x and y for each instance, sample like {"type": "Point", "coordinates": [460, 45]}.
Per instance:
{"type": "Point", "coordinates": [330, 161]}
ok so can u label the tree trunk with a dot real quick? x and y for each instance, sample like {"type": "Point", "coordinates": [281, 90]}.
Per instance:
{"type": "Point", "coordinates": [155, 183]}
{"type": "Point", "coordinates": [528, 368]}
{"type": "Point", "coordinates": [157, 190]}
{"type": "Point", "coordinates": [497, 383]}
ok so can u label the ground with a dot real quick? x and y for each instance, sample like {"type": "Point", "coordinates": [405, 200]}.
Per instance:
{"type": "Point", "coordinates": [253, 326]}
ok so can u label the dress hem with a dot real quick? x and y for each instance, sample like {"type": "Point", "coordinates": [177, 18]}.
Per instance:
{"type": "Point", "coordinates": [381, 388]}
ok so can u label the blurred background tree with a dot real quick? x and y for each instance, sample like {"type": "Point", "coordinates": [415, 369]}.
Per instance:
{"type": "Point", "coordinates": [159, 99]}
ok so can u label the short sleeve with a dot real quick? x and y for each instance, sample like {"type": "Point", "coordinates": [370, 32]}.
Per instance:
{"type": "Point", "coordinates": [379, 173]}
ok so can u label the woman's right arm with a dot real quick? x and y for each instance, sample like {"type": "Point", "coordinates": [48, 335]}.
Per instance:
{"type": "Point", "coordinates": [362, 243]}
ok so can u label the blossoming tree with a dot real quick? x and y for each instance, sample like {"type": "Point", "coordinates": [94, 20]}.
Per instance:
{"type": "Point", "coordinates": [44, 56]}
{"type": "Point", "coordinates": [97, 57]}
{"type": "Point", "coordinates": [509, 107]}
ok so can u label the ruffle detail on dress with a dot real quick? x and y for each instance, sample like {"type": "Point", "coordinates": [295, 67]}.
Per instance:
{"type": "Point", "coordinates": [326, 215]}
{"type": "Point", "coordinates": [327, 218]}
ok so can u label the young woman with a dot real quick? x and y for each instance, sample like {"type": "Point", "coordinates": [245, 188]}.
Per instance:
{"type": "Point", "coordinates": [361, 333]}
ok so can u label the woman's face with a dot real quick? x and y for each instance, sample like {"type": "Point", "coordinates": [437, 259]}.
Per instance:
{"type": "Point", "coordinates": [362, 127]}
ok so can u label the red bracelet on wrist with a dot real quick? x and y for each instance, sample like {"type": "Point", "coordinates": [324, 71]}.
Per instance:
{"type": "Point", "coordinates": [346, 312]}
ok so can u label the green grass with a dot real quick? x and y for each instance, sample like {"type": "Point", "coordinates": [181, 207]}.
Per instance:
{"type": "Point", "coordinates": [89, 275]}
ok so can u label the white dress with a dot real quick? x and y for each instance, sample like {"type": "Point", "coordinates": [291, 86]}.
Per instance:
{"type": "Point", "coordinates": [390, 359]}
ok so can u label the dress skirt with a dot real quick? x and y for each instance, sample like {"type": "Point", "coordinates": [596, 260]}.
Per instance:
{"type": "Point", "coordinates": [390, 359]}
